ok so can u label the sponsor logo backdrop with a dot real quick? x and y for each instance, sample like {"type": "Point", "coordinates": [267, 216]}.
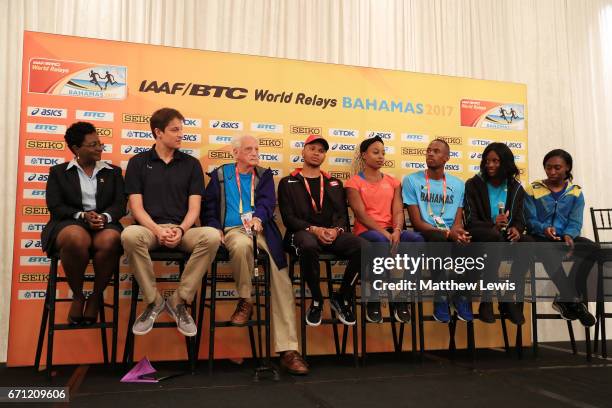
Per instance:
{"type": "Point", "coordinates": [117, 85]}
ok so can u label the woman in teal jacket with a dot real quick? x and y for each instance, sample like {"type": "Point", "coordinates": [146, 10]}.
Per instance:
{"type": "Point", "coordinates": [553, 211]}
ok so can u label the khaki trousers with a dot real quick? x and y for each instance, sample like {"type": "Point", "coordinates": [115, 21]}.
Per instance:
{"type": "Point", "coordinates": [201, 242]}
{"type": "Point", "coordinates": [240, 247]}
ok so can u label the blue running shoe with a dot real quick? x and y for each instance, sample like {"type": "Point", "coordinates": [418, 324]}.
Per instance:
{"type": "Point", "coordinates": [464, 309]}
{"type": "Point", "coordinates": [441, 312]}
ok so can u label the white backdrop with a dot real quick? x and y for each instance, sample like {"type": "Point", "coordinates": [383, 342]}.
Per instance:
{"type": "Point", "coordinates": [560, 48]}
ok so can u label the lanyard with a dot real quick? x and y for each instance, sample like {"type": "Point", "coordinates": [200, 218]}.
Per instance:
{"type": "Point", "coordinates": [312, 201]}
{"type": "Point", "coordinates": [431, 214]}
{"type": "Point", "coordinates": [240, 190]}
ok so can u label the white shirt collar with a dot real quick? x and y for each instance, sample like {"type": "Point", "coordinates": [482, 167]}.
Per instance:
{"type": "Point", "coordinates": [100, 164]}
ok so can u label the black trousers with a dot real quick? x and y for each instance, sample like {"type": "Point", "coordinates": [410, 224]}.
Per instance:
{"type": "Point", "coordinates": [572, 287]}
{"type": "Point", "coordinates": [521, 261]}
{"type": "Point", "coordinates": [308, 248]}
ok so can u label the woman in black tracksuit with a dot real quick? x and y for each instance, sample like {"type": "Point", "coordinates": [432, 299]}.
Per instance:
{"type": "Point", "coordinates": [493, 212]}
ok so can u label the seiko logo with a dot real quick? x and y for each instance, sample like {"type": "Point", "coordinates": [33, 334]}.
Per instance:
{"type": "Point", "coordinates": [45, 128]}
{"type": "Point", "coordinates": [135, 118]}
{"type": "Point", "coordinates": [414, 151]}
{"type": "Point", "coordinates": [342, 175]}
{"type": "Point", "coordinates": [94, 115]}
{"type": "Point", "coordinates": [225, 124]}
{"type": "Point", "coordinates": [45, 144]}
{"type": "Point", "coordinates": [35, 210]}
{"type": "Point", "coordinates": [104, 132]}
{"type": "Point", "coordinates": [268, 142]}
{"type": "Point", "coordinates": [220, 154]}
{"type": "Point", "coordinates": [451, 140]}
{"type": "Point", "coordinates": [37, 111]}
{"type": "Point", "coordinates": [218, 139]}
{"type": "Point", "coordinates": [267, 127]}
{"type": "Point", "coordinates": [344, 132]}
{"type": "Point", "coordinates": [383, 135]}
{"type": "Point", "coordinates": [305, 130]}
{"type": "Point", "coordinates": [389, 163]}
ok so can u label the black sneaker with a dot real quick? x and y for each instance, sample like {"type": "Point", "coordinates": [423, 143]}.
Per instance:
{"type": "Point", "coordinates": [512, 311]}
{"type": "Point", "coordinates": [342, 308]}
{"type": "Point", "coordinates": [314, 315]}
{"type": "Point", "coordinates": [565, 309]}
{"type": "Point", "coordinates": [373, 313]}
{"type": "Point", "coordinates": [401, 312]}
{"type": "Point", "coordinates": [583, 314]}
{"type": "Point", "coordinates": [485, 312]}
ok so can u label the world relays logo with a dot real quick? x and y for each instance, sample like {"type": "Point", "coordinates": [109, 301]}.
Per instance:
{"type": "Point", "coordinates": [492, 115]}
{"type": "Point", "coordinates": [45, 112]}
{"type": "Point", "coordinates": [80, 79]}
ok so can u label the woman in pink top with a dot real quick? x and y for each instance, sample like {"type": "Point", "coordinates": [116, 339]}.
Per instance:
{"type": "Point", "coordinates": [379, 215]}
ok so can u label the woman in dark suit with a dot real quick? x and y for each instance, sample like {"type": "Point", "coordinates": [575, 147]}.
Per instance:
{"type": "Point", "coordinates": [86, 199]}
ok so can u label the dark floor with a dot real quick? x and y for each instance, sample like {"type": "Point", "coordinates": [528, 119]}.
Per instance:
{"type": "Point", "coordinates": [556, 378]}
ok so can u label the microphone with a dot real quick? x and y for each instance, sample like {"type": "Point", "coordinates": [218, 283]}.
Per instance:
{"type": "Point", "coordinates": [500, 211]}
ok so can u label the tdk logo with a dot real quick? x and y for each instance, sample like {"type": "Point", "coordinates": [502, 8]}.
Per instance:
{"type": "Point", "coordinates": [192, 137]}
{"type": "Point", "coordinates": [24, 294]}
{"type": "Point", "coordinates": [267, 127]}
{"type": "Point", "coordinates": [413, 137]}
{"type": "Point", "coordinates": [42, 161]}
{"type": "Point", "coordinates": [37, 111]}
{"type": "Point", "coordinates": [34, 194]}
{"type": "Point", "coordinates": [480, 142]}
{"type": "Point", "coordinates": [130, 149]}
{"type": "Point", "coordinates": [219, 139]}
{"type": "Point", "coordinates": [452, 167]}
{"type": "Point", "coordinates": [297, 144]}
{"type": "Point", "coordinates": [225, 124]}
{"type": "Point", "coordinates": [344, 132]}
{"type": "Point", "coordinates": [413, 165]}
{"type": "Point", "coordinates": [136, 134]}
{"type": "Point", "coordinates": [340, 161]}
{"type": "Point", "coordinates": [383, 135]}
{"type": "Point", "coordinates": [93, 115]}
{"type": "Point", "coordinates": [297, 159]}
{"type": "Point", "coordinates": [35, 177]}
{"type": "Point", "coordinates": [514, 145]}
{"type": "Point", "coordinates": [46, 128]}
{"type": "Point", "coordinates": [343, 147]}
{"type": "Point", "coordinates": [454, 154]}
{"type": "Point", "coordinates": [271, 157]}
{"type": "Point", "coordinates": [191, 122]}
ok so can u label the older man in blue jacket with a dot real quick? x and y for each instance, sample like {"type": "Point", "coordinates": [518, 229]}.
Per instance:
{"type": "Point", "coordinates": [240, 201]}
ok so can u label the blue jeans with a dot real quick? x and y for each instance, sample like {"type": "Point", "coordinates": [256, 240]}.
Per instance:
{"type": "Point", "coordinates": [405, 236]}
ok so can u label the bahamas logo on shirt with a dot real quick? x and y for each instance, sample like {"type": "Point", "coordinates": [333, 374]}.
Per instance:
{"type": "Point", "coordinates": [437, 198]}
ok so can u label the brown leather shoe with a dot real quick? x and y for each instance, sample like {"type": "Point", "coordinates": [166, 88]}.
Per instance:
{"type": "Point", "coordinates": [293, 362]}
{"type": "Point", "coordinates": [242, 314]}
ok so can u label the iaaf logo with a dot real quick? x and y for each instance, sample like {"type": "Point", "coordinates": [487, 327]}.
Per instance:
{"type": "Point", "coordinates": [192, 122]}
{"type": "Point", "coordinates": [296, 159]}
{"type": "Point", "coordinates": [343, 147]}
{"type": "Point", "coordinates": [95, 115]}
{"type": "Point", "coordinates": [344, 132]}
{"type": "Point", "coordinates": [32, 226]}
{"type": "Point", "coordinates": [225, 124]}
{"type": "Point", "coordinates": [34, 194]}
{"type": "Point", "coordinates": [42, 161]}
{"type": "Point", "coordinates": [192, 137]}
{"type": "Point", "coordinates": [414, 137]}
{"type": "Point", "coordinates": [480, 142]}
{"type": "Point", "coordinates": [45, 128]}
{"type": "Point", "coordinates": [219, 139]}
{"type": "Point", "coordinates": [297, 144]}
{"type": "Point", "coordinates": [38, 111]}
{"type": "Point", "coordinates": [131, 149]}
{"type": "Point", "coordinates": [271, 157]}
{"type": "Point", "coordinates": [413, 165]}
{"type": "Point", "coordinates": [515, 145]}
{"type": "Point", "coordinates": [34, 260]}
{"type": "Point", "coordinates": [136, 134]}
{"type": "Point", "coordinates": [35, 177]}
{"type": "Point", "coordinates": [270, 142]}
{"type": "Point", "coordinates": [23, 294]}
{"type": "Point", "coordinates": [192, 152]}
{"type": "Point", "coordinates": [452, 167]}
{"type": "Point", "coordinates": [383, 135]}
{"type": "Point", "coordinates": [266, 127]}
{"type": "Point", "coordinates": [340, 161]}
{"type": "Point", "coordinates": [31, 244]}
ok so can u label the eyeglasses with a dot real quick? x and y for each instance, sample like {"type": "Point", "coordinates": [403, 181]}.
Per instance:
{"type": "Point", "coordinates": [94, 145]}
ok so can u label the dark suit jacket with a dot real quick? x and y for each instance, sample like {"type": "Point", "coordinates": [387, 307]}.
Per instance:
{"type": "Point", "coordinates": [64, 197]}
